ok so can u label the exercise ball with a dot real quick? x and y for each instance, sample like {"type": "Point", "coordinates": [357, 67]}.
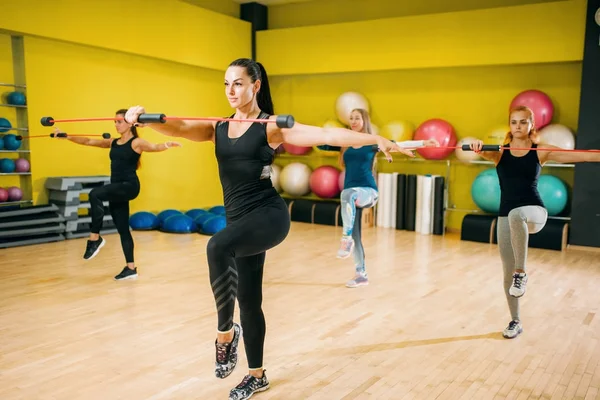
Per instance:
{"type": "Point", "coordinates": [5, 125]}
{"type": "Point", "coordinates": [1, 143]}
{"type": "Point", "coordinates": [539, 103]}
{"type": "Point", "coordinates": [15, 193]}
{"type": "Point", "coordinates": [7, 166]}
{"type": "Point", "coordinates": [10, 142]}
{"type": "Point", "coordinates": [163, 215]}
{"type": "Point", "coordinates": [497, 134]}
{"type": "Point", "coordinates": [440, 130]}
{"type": "Point", "coordinates": [341, 180]}
{"type": "Point", "coordinates": [325, 181]}
{"type": "Point", "coordinates": [21, 165]}
{"type": "Point", "coordinates": [3, 195]}
{"type": "Point", "coordinates": [296, 150]}
{"type": "Point", "coordinates": [143, 221]}
{"type": "Point", "coordinates": [554, 194]}
{"type": "Point", "coordinates": [16, 98]}
{"type": "Point", "coordinates": [398, 131]}
{"type": "Point", "coordinates": [275, 173]}
{"type": "Point", "coordinates": [347, 102]}
{"type": "Point", "coordinates": [466, 156]}
{"type": "Point", "coordinates": [213, 225]}
{"type": "Point", "coordinates": [179, 223]}
{"type": "Point", "coordinates": [201, 218]}
{"type": "Point", "coordinates": [485, 191]}
{"type": "Point", "coordinates": [295, 179]}
{"type": "Point", "coordinates": [217, 210]}
{"type": "Point", "coordinates": [194, 212]}
{"type": "Point", "coordinates": [557, 135]}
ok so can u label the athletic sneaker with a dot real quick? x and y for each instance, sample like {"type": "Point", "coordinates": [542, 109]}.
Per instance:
{"type": "Point", "coordinates": [519, 285]}
{"type": "Point", "coordinates": [358, 280]}
{"type": "Point", "coordinates": [514, 329]}
{"type": "Point", "coordinates": [345, 247]}
{"type": "Point", "coordinates": [93, 248]}
{"type": "Point", "coordinates": [127, 273]}
{"type": "Point", "coordinates": [227, 354]}
{"type": "Point", "coordinates": [248, 387]}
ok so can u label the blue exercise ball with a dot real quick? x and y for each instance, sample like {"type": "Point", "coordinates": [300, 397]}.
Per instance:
{"type": "Point", "coordinates": [5, 125]}
{"type": "Point", "coordinates": [7, 166]}
{"type": "Point", "coordinates": [10, 142]}
{"type": "Point", "coordinates": [554, 194]}
{"type": "Point", "coordinates": [485, 191]}
{"type": "Point", "coordinates": [16, 98]}
{"type": "Point", "coordinates": [219, 210]}
{"type": "Point", "coordinates": [213, 225]}
{"type": "Point", "coordinates": [194, 212]}
{"type": "Point", "coordinates": [202, 218]}
{"type": "Point", "coordinates": [143, 221]}
{"type": "Point", "coordinates": [163, 215]}
{"type": "Point", "coordinates": [1, 143]}
{"type": "Point", "coordinates": [179, 223]}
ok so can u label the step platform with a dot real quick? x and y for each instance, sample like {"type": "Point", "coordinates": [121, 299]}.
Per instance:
{"type": "Point", "coordinates": [82, 226]}
{"type": "Point", "coordinates": [31, 225]}
{"type": "Point", "coordinates": [71, 213]}
{"type": "Point", "coordinates": [70, 183]}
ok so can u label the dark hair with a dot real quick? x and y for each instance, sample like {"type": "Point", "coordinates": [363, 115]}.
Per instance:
{"type": "Point", "coordinates": [133, 130]}
{"type": "Point", "coordinates": [257, 72]}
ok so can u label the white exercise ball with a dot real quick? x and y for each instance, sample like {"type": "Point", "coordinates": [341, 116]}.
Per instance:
{"type": "Point", "coordinates": [347, 102]}
{"type": "Point", "coordinates": [295, 179]}
{"type": "Point", "coordinates": [466, 156]}
{"type": "Point", "coordinates": [557, 135]}
{"type": "Point", "coordinates": [275, 174]}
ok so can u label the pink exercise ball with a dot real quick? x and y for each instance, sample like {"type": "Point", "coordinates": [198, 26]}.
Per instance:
{"type": "Point", "coordinates": [539, 103]}
{"type": "Point", "coordinates": [342, 179]}
{"type": "Point", "coordinates": [440, 130]}
{"type": "Point", "coordinates": [325, 181]}
{"type": "Point", "coordinates": [21, 165]}
{"type": "Point", "coordinates": [296, 150]}
{"type": "Point", "coordinates": [14, 193]}
{"type": "Point", "coordinates": [3, 195]}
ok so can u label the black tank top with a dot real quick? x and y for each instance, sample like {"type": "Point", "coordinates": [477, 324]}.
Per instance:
{"type": "Point", "coordinates": [518, 180]}
{"type": "Point", "coordinates": [124, 161]}
{"type": "Point", "coordinates": [245, 168]}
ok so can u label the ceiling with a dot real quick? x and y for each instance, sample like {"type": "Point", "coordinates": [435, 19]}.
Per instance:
{"type": "Point", "coordinates": [272, 2]}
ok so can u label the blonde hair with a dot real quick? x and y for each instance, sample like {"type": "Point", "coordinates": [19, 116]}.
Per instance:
{"type": "Point", "coordinates": [533, 133]}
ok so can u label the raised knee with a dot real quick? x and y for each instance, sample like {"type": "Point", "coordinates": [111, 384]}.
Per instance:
{"type": "Point", "coordinates": [348, 194]}
{"type": "Point", "coordinates": [516, 215]}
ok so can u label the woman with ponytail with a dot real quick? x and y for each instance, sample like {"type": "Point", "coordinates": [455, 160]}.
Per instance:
{"type": "Point", "coordinates": [257, 217]}
{"type": "Point", "coordinates": [124, 186]}
{"type": "Point", "coordinates": [522, 211]}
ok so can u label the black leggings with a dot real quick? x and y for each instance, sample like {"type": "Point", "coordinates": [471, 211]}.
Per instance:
{"type": "Point", "coordinates": [118, 196]}
{"type": "Point", "coordinates": [236, 258]}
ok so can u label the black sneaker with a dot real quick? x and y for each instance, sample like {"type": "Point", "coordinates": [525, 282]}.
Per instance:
{"type": "Point", "coordinates": [227, 354]}
{"type": "Point", "coordinates": [248, 387]}
{"type": "Point", "coordinates": [93, 248]}
{"type": "Point", "coordinates": [127, 273]}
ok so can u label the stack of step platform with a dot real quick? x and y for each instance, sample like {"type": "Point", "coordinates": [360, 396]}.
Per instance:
{"type": "Point", "coordinates": [20, 226]}
{"type": "Point", "coordinates": [70, 195]}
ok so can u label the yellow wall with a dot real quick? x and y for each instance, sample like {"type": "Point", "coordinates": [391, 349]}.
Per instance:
{"type": "Point", "coordinates": [473, 99]}
{"type": "Point", "coordinates": [549, 32]}
{"type": "Point", "coordinates": [173, 30]}
{"type": "Point", "coordinates": [227, 7]}
{"type": "Point", "coordinates": [67, 80]}
{"type": "Point", "coordinates": [334, 11]}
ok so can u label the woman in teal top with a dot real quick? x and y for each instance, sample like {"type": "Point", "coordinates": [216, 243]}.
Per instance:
{"type": "Point", "coordinates": [360, 190]}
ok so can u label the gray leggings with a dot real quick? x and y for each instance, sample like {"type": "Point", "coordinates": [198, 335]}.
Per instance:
{"type": "Point", "coordinates": [513, 240]}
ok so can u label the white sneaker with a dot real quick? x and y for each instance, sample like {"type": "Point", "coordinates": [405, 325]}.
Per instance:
{"type": "Point", "coordinates": [514, 329]}
{"type": "Point", "coordinates": [519, 285]}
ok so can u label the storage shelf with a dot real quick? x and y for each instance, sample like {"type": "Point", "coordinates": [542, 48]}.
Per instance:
{"type": "Point", "coordinates": [16, 173]}
{"type": "Point", "coordinates": [15, 151]}
{"type": "Point", "coordinates": [13, 85]}
{"type": "Point", "coordinates": [485, 213]}
{"type": "Point", "coordinates": [311, 196]}
{"type": "Point", "coordinates": [12, 105]}
{"type": "Point", "coordinates": [15, 203]}
{"type": "Point", "coordinates": [14, 129]}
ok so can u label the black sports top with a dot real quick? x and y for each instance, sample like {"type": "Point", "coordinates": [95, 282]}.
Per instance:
{"type": "Point", "coordinates": [518, 180]}
{"type": "Point", "coordinates": [124, 161]}
{"type": "Point", "coordinates": [245, 168]}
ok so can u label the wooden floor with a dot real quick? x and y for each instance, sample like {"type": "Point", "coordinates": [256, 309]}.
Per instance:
{"type": "Point", "coordinates": [427, 327]}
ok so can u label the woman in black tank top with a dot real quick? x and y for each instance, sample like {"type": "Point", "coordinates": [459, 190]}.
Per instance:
{"type": "Point", "coordinates": [522, 210]}
{"type": "Point", "coordinates": [124, 186]}
{"type": "Point", "coordinates": [257, 217]}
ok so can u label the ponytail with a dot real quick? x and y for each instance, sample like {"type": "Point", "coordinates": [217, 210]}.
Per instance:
{"type": "Point", "coordinates": [263, 98]}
